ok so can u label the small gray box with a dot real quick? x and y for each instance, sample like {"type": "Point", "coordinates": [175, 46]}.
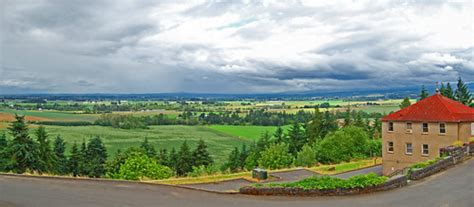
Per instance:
{"type": "Point", "coordinates": [259, 174]}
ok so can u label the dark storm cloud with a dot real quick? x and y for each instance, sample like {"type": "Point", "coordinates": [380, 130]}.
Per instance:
{"type": "Point", "coordinates": [231, 46]}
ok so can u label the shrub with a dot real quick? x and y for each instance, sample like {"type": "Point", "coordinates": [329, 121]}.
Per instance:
{"type": "Point", "coordinates": [276, 156]}
{"type": "Point", "coordinates": [425, 164]}
{"type": "Point", "coordinates": [329, 183]}
{"type": "Point", "coordinates": [203, 170]}
{"type": "Point", "coordinates": [342, 145]}
{"type": "Point", "coordinates": [140, 166]}
{"type": "Point", "coordinates": [306, 157]}
{"type": "Point", "coordinates": [458, 143]}
{"type": "Point", "coordinates": [471, 140]}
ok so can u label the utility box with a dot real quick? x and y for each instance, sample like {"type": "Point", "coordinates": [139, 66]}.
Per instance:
{"type": "Point", "coordinates": [259, 174]}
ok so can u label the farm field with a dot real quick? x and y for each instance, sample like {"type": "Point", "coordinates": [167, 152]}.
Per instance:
{"type": "Point", "coordinates": [7, 115]}
{"type": "Point", "coordinates": [220, 144]}
{"type": "Point", "coordinates": [252, 133]}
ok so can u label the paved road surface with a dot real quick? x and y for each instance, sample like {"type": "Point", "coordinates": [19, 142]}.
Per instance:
{"type": "Point", "coordinates": [450, 188]}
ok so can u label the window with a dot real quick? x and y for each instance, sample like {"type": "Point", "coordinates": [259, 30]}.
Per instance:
{"type": "Point", "coordinates": [472, 129]}
{"type": "Point", "coordinates": [409, 127]}
{"type": "Point", "coordinates": [442, 128]}
{"type": "Point", "coordinates": [409, 148]}
{"type": "Point", "coordinates": [390, 147]}
{"type": "Point", "coordinates": [425, 127]}
{"type": "Point", "coordinates": [390, 126]}
{"type": "Point", "coordinates": [425, 149]}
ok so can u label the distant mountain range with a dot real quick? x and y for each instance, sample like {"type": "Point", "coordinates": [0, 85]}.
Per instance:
{"type": "Point", "coordinates": [411, 92]}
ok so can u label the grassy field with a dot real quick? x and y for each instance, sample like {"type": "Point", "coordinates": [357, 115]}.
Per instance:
{"type": "Point", "coordinates": [252, 133]}
{"type": "Point", "coordinates": [220, 144]}
{"type": "Point", "coordinates": [47, 115]}
{"type": "Point", "coordinates": [346, 166]}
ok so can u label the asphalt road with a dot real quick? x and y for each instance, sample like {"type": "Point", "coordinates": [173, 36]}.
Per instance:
{"type": "Point", "coordinates": [453, 187]}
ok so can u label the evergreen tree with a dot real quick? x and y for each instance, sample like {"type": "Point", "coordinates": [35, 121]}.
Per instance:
{"type": "Point", "coordinates": [59, 148]}
{"type": "Point", "coordinates": [74, 160]}
{"type": "Point", "coordinates": [348, 117]}
{"type": "Point", "coordinates": [83, 159]}
{"type": "Point", "coordinates": [96, 156]}
{"type": "Point", "coordinates": [233, 162]}
{"type": "Point", "coordinates": [358, 121]}
{"type": "Point", "coordinates": [173, 159]}
{"type": "Point", "coordinates": [3, 142]}
{"type": "Point", "coordinates": [462, 93]}
{"type": "Point", "coordinates": [449, 92]}
{"type": "Point", "coordinates": [46, 161]}
{"type": "Point", "coordinates": [424, 93]}
{"type": "Point", "coordinates": [264, 141]}
{"type": "Point", "coordinates": [279, 135]}
{"type": "Point", "coordinates": [296, 138]}
{"type": "Point", "coordinates": [442, 90]}
{"type": "Point", "coordinates": [313, 129]}
{"type": "Point", "coordinates": [405, 103]}
{"type": "Point", "coordinates": [24, 151]}
{"type": "Point", "coordinates": [244, 153]}
{"type": "Point", "coordinates": [163, 158]}
{"type": "Point", "coordinates": [329, 124]}
{"type": "Point", "coordinates": [148, 148]}
{"type": "Point", "coordinates": [185, 159]}
{"type": "Point", "coordinates": [201, 155]}
{"type": "Point", "coordinates": [4, 159]}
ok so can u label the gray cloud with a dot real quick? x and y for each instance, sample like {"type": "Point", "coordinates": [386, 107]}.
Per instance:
{"type": "Point", "coordinates": [231, 46]}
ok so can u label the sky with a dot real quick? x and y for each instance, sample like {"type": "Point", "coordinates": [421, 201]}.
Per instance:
{"type": "Point", "coordinates": [232, 46]}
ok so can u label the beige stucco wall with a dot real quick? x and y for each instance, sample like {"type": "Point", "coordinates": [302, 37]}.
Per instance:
{"type": "Point", "coordinates": [399, 159]}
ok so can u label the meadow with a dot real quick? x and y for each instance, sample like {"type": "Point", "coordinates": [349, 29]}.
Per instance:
{"type": "Point", "coordinates": [220, 139]}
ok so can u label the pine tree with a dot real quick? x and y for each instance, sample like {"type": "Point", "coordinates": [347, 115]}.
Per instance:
{"type": "Point", "coordinates": [184, 164]}
{"type": "Point", "coordinates": [233, 161]}
{"type": "Point", "coordinates": [405, 103]}
{"type": "Point", "coordinates": [74, 160]}
{"type": "Point", "coordinates": [24, 151]}
{"type": "Point", "coordinates": [462, 93]}
{"type": "Point", "coordinates": [163, 158]}
{"type": "Point", "coordinates": [329, 124]}
{"type": "Point", "coordinates": [83, 169]}
{"type": "Point", "coordinates": [96, 156]}
{"type": "Point", "coordinates": [201, 155]}
{"type": "Point", "coordinates": [313, 129]}
{"type": "Point", "coordinates": [46, 162]}
{"type": "Point", "coordinates": [59, 148]}
{"type": "Point", "coordinates": [296, 138]}
{"type": "Point", "coordinates": [442, 90]}
{"type": "Point", "coordinates": [449, 92]}
{"type": "Point", "coordinates": [3, 142]}
{"type": "Point", "coordinates": [424, 93]}
{"type": "Point", "coordinates": [173, 159]}
{"type": "Point", "coordinates": [244, 153]}
{"type": "Point", "coordinates": [358, 121]}
{"type": "Point", "coordinates": [4, 159]}
{"type": "Point", "coordinates": [279, 135]}
{"type": "Point", "coordinates": [347, 116]}
{"type": "Point", "coordinates": [148, 148]}
{"type": "Point", "coordinates": [264, 141]}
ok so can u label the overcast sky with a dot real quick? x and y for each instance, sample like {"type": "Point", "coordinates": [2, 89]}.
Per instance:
{"type": "Point", "coordinates": [232, 46]}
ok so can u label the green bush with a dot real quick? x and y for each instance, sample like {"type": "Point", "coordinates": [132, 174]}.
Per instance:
{"type": "Point", "coordinates": [329, 183]}
{"type": "Point", "coordinates": [276, 156]}
{"type": "Point", "coordinates": [425, 164]}
{"type": "Point", "coordinates": [306, 157]}
{"type": "Point", "coordinates": [343, 145]}
{"type": "Point", "coordinates": [139, 166]}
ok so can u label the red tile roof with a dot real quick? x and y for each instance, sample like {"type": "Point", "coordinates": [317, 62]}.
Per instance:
{"type": "Point", "coordinates": [434, 109]}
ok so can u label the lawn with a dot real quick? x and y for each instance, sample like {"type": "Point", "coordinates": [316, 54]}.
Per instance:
{"type": "Point", "coordinates": [252, 133]}
{"type": "Point", "coordinates": [346, 166]}
{"type": "Point", "coordinates": [220, 144]}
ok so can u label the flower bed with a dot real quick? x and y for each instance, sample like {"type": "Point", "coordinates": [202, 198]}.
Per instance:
{"type": "Point", "coordinates": [328, 186]}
